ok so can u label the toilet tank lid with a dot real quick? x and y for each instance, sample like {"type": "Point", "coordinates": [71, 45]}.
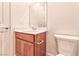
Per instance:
{"type": "Point", "coordinates": [66, 36]}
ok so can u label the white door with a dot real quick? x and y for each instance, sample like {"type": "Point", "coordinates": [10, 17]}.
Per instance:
{"type": "Point", "coordinates": [5, 44]}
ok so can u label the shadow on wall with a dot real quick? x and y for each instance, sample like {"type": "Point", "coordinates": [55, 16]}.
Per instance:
{"type": "Point", "coordinates": [51, 44]}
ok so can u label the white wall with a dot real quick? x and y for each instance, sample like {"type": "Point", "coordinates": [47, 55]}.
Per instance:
{"type": "Point", "coordinates": [63, 18]}
{"type": "Point", "coordinates": [20, 14]}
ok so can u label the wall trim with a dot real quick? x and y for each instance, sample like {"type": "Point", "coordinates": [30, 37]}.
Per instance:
{"type": "Point", "coordinates": [49, 54]}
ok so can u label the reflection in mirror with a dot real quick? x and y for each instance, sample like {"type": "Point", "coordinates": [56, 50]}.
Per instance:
{"type": "Point", "coordinates": [37, 14]}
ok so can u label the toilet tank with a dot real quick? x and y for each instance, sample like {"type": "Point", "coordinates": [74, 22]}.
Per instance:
{"type": "Point", "coordinates": [67, 45]}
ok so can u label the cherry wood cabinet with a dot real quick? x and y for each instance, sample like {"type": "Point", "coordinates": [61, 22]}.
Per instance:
{"type": "Point", "coordinates": [18, 47]}
{"type": "Point", "coordinates": [30, 44]}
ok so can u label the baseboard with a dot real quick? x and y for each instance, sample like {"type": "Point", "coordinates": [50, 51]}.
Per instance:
{"type": "Point", "coordinates": [49, 54]}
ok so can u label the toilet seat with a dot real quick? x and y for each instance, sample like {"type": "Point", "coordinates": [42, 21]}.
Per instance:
{"type": "Point", "coordinates": [60, 55]}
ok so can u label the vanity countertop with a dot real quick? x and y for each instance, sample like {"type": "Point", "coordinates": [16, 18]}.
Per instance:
{"type": "Point", "coordinates": [31, 31]}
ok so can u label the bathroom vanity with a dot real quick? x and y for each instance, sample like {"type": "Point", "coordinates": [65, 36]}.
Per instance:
{"type": "Point", "coordinates": [30, 42]}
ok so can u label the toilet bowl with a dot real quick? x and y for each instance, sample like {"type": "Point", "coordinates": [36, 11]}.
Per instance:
{"type": "Point", "coordinates": [67, 45]}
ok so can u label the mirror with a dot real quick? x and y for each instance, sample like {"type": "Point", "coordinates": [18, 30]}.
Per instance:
{"type": "Point", "coordinates": [37, 14]}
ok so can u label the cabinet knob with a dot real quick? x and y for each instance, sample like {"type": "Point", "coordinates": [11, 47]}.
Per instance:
{"type": "Point", "coordinates": [40, 42]}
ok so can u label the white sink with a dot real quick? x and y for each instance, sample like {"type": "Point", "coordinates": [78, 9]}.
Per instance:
{"type": "Point", "coordinates": [31, 31]}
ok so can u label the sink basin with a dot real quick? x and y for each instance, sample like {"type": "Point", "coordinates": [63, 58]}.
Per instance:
{"type": "Point", "coordinates": [31, 31]}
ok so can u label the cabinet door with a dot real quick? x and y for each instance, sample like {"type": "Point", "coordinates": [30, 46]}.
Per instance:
{"type": "Point", "coordinates": [28, 49]}
{"type": "Point", "coordinates": [43, 49]}
{"type": "Point", "coordinates": [19, 48]}
{"type": "Point", "coordinates": [40, 46]}
{"type": "Point", "coordinates": [40, 49]}
{"type": "Point", "coordinates": [24, 48]}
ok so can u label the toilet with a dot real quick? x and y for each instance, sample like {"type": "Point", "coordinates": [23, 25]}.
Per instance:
{"type": "Point", "coordinates": [67, 45]}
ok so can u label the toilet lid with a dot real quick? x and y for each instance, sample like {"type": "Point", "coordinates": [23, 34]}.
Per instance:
{"type": "Point", "coordinates": [66, 37]}
{"type": "Point", "coordinates": [60, 55]}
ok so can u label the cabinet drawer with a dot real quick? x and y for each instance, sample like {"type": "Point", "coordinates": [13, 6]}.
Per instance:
{"type": "Point", "coordinates": [39, 37]}
{"type": "Point", "coordinates": [24, 36]}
